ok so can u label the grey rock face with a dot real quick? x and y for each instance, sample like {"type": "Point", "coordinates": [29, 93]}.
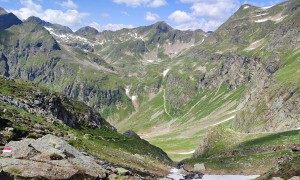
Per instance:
{"type": "Point", "coordinates": [32, 158]}
{"type": "Point", "coordinates": [54, 109]}
{"type": "Point", "coordinates": [51, 157]}
{"type": "Point", "coordinates": [132, 134]}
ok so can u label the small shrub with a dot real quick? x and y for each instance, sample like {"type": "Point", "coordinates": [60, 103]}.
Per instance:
{"type": "Point", "coordinates": [55, 156]}
{"type": "Point", "coordinates": [14, 171]}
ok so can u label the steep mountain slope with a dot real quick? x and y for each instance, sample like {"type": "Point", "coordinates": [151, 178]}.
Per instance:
{"type": "Point", "coordinates": [266, 128]}
{"type": "Point", "coordinates": [30, 52]}
{"type": "Point", "coordinates": [8, 19]}
{"type": "Point", "coordinates": [226, 151]}
{"type": "Point", "coordinates": [30, 111]}
{"type": "Point", "coordinates": [247, 67]}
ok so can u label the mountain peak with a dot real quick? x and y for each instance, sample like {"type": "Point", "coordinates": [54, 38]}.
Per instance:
{"type": "Point", "coordinates": [38, 21]}
{"type": "Point", "coordinates": [8, 19]}
{"type": "Point", "coordinates": [57, 27]}
{"type": "Point", "coordinates": [162, 26]}
{"type": "Point", "coordinates": [87, 30]}
{"type": "Point", "coordinates": [2, 11]}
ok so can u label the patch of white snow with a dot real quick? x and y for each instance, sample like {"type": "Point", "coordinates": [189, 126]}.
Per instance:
{"type": "Point", "coordinates": [231, 117]}
{"type": "Point", "coordinates": [133, 98]}
{"type": "Point", "coordinates": [166, 72]}
{"type": "Point", "coordinates": [127, 90]}
{"type": "Point", "coordinates": [175, 174]}
{"type": "Point", "coordinates": [258, 15]}
{"type": "Point", "coordinates": [191, 152]}
{"type": "Point", "coordinates": [268, 7]}
{"type": "Point", "coordinates": [281, 18]}
{"type": "Point", "coordinates": [261, 20]}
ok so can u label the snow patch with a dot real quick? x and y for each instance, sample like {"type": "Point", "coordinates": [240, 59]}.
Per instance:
{"type": "Point", "coordinates": [246, 7]}
{"type": "Point", "coordinates": [71, 37]}
{"type": "Point", "coordinates": [231, 117]}
{"type": "Point", "coordinates": [175, 174]}
{"type": "Point", "coordinates": [280, 18]}
{"type": "Point", "coordinates": [268, 7]}
{"type": "Point", "coordinates": [228, 177]}
{"type": "Point", "coordinates": [133, 98]}
{"type": "Point", "coordinates": [261, 20]}
{"type": "Point", "coordinates": [233, 111]}
{"type": "Point", "coordinates": [191, 152]}
{"type": "Point", "coordinates": [254, 45]}
{"type": "Point", "coordinates": [258, 15]}
{"type": "Point", "coordinates": [150, 61]}
{"type": "Point", "coordinates": [127, 90]}
{"type": "Point", "coordinates": [166, 72]}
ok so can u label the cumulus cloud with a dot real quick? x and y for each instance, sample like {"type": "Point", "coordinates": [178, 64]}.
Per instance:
{"type": "Point", "coordinates": [157, 3]}
{"type": "Point", "coordinates": [67, 18]}
{"type": "Point", "coordinates": [202, 23]}
{"type": "Point", "coordinates": [112, 27]}
{"type": "Point", "coordinates": [180, 17]}
{"type": "Point", "coordinates": [136, 3]}
{"type": "Point", "coordinates": [151, 17]}
{"type": "Point", "coordinates": [204, 14]}
{"type": "Point", "coordinates": [215, 8]}
{"type": "Point", "coordinates": [68, 4]}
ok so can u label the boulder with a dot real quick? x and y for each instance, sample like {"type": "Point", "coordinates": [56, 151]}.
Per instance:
{"type": "Point", "coordinates": [49, 157]}
{"type": "Point", "coordinates": [123, 172]}
{"type": "Point", "coordinates": [131, 134]}
{"type": "Point", "coordinates": [199, 168]}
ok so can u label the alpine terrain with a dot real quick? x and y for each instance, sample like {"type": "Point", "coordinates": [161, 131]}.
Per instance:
{"type": "Point", "coordinates": [135, 102]}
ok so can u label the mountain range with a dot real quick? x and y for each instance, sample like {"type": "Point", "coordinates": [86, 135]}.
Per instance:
{"type": "Point", "coordinates": [234, 91]}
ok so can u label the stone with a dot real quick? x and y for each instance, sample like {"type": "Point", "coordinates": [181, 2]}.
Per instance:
{"type": "Point", "coordinates": [122, 171]}
{"type": "Point", "coordinates": [295, 178]}
{"type": "Point", "coordinates": [276, 178]}
{"type": "Point", "coordinates": [21, 149]}
{"type": "Point", "coordinates": [131, 134]}
{"type": "Point", "coordinates": [199, 168]}
{"type": "Point", "coordinates": [50, 157]}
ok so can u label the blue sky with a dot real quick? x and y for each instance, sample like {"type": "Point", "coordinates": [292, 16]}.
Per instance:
{"type": "Point", "coordinates": [117, 14]}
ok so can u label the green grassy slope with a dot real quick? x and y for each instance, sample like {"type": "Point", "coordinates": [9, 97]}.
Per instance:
{"type": "Point", "coordinates": [227, 151]}
{"type": "Point", "coordinates": [102, 142]}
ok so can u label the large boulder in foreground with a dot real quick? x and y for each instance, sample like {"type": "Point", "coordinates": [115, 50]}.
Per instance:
{"type": "Point", "coordinates": [49, 158]}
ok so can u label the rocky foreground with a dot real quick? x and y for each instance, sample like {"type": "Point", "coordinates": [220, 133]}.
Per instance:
{"type": "Point", "coordinates": [50, 157]}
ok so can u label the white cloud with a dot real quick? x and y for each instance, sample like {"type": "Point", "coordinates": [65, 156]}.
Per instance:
{"type": "Point", "coordinates": [215, 8]}
{"type": "Point", "coordinates": [157, 3]}
{"type": "Point", "coordinates": [68, 4]}
{"type": "Point", "coordinates": [112, 27]}
{"type": "Point", "coordinates": [67, 18]}
{"type": "Point", "coordinates": [180, 17]}
{"type": "Point", "coordinates": [132, 3]}
{"type": "Point", "coordinates": [136, 3]}
{"type": "Point", "coordinates": [151, 17]}
{"type": "Point", "coordinates": [204, 14]}
{"type": "Point", "coordinates": [204, 24]}
{"type": "Point", "coordinates": [125, 13]}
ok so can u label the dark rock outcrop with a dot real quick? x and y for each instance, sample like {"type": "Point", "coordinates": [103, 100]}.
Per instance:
{"type": "Point", "coordinates": [8, 20]}
{"type": "Point", "coordinates": [131, 134]}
